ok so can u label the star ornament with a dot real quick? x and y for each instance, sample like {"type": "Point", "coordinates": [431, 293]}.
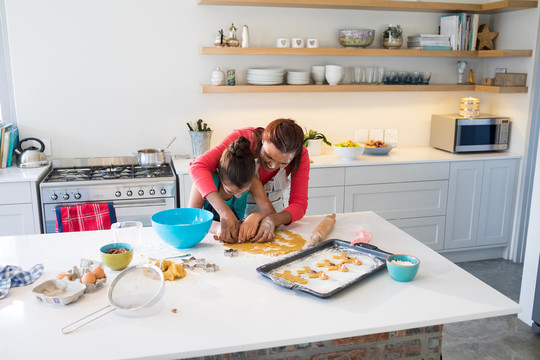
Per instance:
{"type": "Point", "coordinates": [485, 37]}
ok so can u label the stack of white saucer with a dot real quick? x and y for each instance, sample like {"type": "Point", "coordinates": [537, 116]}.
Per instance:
{"type": "Point", "coordinates": [259, 76]}
{"type": "Point", "coordinates": [297, 77]}
{"type": "Point", "coordinates": [334, 74]}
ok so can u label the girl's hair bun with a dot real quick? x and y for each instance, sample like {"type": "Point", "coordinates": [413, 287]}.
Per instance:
{"type": "Point", "coordinates": [240, 148]}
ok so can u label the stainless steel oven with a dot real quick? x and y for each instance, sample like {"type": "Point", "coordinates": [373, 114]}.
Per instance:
{"type": "Point", "coordinates": [136, 192]}
{"type": "Point", "coordinates": [459, 134]}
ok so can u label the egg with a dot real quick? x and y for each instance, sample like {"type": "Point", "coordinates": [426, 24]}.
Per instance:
{"type": "Point", "coordinates": [99, 273]}
{"type": "Point", "coordinates": [88, 278]}
{"type": "Point", "coordinates": [63, 275]}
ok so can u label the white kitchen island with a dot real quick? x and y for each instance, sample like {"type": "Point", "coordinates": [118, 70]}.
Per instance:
{"type": "Point", "coordinates": [234, 309]}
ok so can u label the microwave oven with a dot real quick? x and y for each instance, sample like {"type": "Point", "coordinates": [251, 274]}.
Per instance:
{"type": "Point", "coordinates": [455, 133]}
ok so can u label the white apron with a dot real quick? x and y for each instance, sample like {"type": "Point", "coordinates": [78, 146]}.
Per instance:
{"type": "Point", "coordinates": [274, 189]}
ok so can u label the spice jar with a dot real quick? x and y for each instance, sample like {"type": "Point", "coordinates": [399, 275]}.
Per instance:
{"type": "Point", "coordinates": [393, 37]}
{"type": "Point", "coordinates": [469, 107]}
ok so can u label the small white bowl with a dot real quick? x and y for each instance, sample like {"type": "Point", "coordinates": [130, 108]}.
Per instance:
{"type": "Point", "coordinates": [349, 153]}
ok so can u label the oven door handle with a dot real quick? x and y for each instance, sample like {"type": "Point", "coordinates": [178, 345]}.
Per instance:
{"type": "Point", "coordinates": [128, 204]}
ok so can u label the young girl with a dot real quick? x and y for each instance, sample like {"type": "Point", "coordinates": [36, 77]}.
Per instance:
{"type": "Point", "coordinates": [234, 177]}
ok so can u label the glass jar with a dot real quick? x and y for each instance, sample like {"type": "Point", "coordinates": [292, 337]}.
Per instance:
{"type": "Point", "coordinates": [393, 37]}
{"type": "Point", "coordinates": [469, 107]}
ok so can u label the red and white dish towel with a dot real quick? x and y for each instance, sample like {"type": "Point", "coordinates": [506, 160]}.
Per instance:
{"type": "Point", "coordinates": [85, 217]}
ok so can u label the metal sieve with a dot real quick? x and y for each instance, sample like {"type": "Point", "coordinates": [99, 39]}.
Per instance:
{"type": "Point", "coordinates": [134, 288]}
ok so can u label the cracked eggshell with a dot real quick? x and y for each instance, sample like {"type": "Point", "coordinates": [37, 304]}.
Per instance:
{"type": "Point", "coordinates": [59, 292]}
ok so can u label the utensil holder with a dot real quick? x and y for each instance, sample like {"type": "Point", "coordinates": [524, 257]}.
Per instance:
{"type": "Point", "coordinates": [200, 142]}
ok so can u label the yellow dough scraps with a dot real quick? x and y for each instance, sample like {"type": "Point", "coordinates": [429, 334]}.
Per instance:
{"type": "Point", "coordinates": [171, 270]}
{"type": "Point", "coordinates": [284, 242]}
{"type": "Point", "coordinates": [288, 275]}
{"type": "Point", "coordinates": [309, 272]}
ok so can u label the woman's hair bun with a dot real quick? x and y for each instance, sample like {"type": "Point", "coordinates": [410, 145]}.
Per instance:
{"type": "Point", "coordinates": [240, 148]}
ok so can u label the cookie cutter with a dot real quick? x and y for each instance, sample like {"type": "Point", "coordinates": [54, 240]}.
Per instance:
{"type": "Point", "coordinates": [193, 263]}
{"type": "Point", "coordinates": [230, 252]}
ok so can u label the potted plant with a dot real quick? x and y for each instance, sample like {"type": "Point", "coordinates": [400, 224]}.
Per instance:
{"type": "Point", "coordinates": [313, 141]}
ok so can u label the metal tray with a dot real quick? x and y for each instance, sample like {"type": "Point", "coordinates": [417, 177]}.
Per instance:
{"type": "Point", "coordinates": [321, 288]}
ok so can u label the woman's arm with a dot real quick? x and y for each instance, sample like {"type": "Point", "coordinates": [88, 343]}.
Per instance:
{"type": "Point", "coordinates": [298, 200]}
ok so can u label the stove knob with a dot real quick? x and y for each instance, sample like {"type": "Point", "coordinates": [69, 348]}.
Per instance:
{"type": "Point", "coordinates": [129, 193]}
{"type": "Point", "coordinates": [162, 191]}
{"type": "Point", "coordinates": [117, 193]}
{"type": "Point", "coordinates": [54, 197]}
{"type": "Point", "coordinates": [66, 196]}
{"type": "Point", "coordinates": [77, 196]}
{"type": "Point", "coordinates": [152, 192]}
{"type": "Point", "coordinates": [141, 192]}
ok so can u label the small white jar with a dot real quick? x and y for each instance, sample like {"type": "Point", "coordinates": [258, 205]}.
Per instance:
{"type": "Point", "coordinates": [218, 77]}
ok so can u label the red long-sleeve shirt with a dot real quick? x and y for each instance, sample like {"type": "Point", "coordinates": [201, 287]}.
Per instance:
{"type": "Point", "coordinates": [201, 170]}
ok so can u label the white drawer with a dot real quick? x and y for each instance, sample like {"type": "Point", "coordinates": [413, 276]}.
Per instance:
{"type": "Point", "coordinates": [384, 174]}
{"type": "Point", "coordinates": [15, 193]}
{"type": "Point", "coordinates": [327, 177]}
{"type": "Point", "coordinates": [399, 201]}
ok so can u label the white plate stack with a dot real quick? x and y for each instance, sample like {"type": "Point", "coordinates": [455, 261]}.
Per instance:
{"type": "Point", "coordinates": [259, 76]}
{"type": "Point", "coordinates": [297, 77]}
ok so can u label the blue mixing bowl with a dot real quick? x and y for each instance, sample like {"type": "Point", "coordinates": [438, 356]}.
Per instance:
{"type": "Point", "coordinates": [182, 228]}
{"type": "Point", "coordinates": [404, 268]}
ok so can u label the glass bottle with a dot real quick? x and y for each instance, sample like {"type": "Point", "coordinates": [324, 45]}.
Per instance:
{"type": "Point", "coordinates": [393, 37]}
{"type": "Point", "coordinates": [232, 41]}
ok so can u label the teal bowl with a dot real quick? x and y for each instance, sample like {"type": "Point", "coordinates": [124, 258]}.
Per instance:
{"type": "Point", "coordinates": [404, 267]}
{"type": "Point", "coordinates": [182, 228]}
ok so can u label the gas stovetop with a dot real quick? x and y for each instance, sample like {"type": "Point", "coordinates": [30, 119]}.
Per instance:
{"type": "Point", "coordinates": [102, 169]}
{"type": "Point", "coordinates": [109, 172]}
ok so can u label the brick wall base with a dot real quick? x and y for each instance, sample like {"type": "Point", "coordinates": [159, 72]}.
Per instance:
{"type": "Point", "coordinates": [419, 344]}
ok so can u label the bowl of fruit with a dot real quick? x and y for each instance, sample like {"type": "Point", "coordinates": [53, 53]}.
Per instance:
{"type": "Point", "coordinates": [348, 150]}
{"type": "Point", "coordinates": [377, 147]}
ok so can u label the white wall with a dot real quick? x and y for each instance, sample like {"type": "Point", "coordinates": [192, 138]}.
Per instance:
{"type": "Point", "coordinates": [106, 78]}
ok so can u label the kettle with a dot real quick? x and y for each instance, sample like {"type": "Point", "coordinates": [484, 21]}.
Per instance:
{"type": "Point", "coordinates": [31, 157]}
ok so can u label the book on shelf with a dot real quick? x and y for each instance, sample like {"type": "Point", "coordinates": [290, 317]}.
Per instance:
{"type": "Point", "coordinates": [430, 47]}
{"type": "Point", "coordinates": [432, 43]}
{"type": "Point", "coordinates": [5, 134]}
{"type": "Point", "coordinates": [13, 142]}
{"type": "Point", "coordinates": [462, 29]}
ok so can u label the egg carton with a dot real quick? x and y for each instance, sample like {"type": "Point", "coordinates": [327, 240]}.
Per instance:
{"type": "Point", "coordinates": [86, 266]}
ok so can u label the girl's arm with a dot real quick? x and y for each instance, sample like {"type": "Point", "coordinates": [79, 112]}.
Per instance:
{"type": "Point", "coordinates": [249, 227]}
{"type": "Point", "coordinates": [195, 198]}
{"type": "Point", "coordinates": [201, 170]}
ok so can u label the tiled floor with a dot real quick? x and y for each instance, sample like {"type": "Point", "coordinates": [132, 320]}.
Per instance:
{"type": "Point", "coordinates": [499, 338]}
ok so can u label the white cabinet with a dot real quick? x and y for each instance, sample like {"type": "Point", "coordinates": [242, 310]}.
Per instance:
{"type": "Point", "coordinates": [481, 203]}
{"type": "Point", "coordinates": [185, 184]}
{"type": "Point", "coordinates": [325, 200]}
{"type": "Point", "coordinates": [428, 230]}
{"type": "Point", "coordinates": [19, 208]}
{"type": "Point", "coordinates": [497, 205]}
{"type": "Point", "coordinates": [326, 191]}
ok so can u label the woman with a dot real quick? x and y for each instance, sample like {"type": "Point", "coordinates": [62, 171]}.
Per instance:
{"type": "Point", "coordinates": [280, 155]}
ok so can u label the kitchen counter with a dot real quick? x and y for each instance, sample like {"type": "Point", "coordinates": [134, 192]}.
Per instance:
{"type": "Point", "coordinates": [233, 309]}
{"type": "Point", "coordinates": [16, 174]}
{"type": "Point", "coordinates": [398, 155]}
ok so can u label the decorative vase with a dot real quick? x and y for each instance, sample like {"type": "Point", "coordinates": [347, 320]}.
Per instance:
{"type": "Point", "coordinates": [314, 147]}
{"type": "Point", "coordinates": [393, 37]}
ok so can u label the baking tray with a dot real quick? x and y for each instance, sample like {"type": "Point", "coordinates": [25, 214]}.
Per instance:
{"type": "Point", "coordinates": [373, 259]}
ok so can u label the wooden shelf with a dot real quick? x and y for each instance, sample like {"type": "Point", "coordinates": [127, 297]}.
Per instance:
{"type": "Point", "coordinates": [209, 89]}
{"type": "Point", "coordinates": [487, 8]}
{"type": "Point", "coordinates": [361, 52]}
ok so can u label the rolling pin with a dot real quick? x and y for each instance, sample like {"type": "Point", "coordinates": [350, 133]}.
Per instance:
{"type": "Point", "coordinates": [321, 231]}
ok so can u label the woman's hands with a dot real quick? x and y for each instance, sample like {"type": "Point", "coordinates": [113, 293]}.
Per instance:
{"type": "Point", "coordinates": [265, 231]}
{"type": "Point", "coordinates": [249, 227]}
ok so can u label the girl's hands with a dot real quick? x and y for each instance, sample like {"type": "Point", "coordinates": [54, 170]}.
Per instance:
{"type": "Point", "coordinates": [249, 227]}
{"type": "Point", "coordinates": [229, 227]}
